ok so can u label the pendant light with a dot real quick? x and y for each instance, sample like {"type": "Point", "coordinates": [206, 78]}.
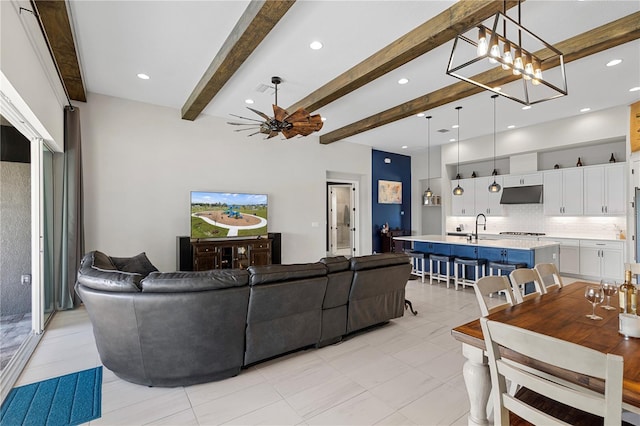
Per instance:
{"type": "Point", "coordinates": [458, 189]}
{"type": "Point", "coordinates": [494, 187]}
{"type": "Point", "coordinates": [426, 199]}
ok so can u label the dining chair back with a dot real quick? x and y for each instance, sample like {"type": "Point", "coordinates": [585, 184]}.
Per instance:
{"type": "Point", "coordinates": [540, 394]}
{"type": "Point", "coordinates": [488, 286]}
{"type": "Point", "coordinates": [549, 276]}
{"type": "Point", "coordinates": [519, 278]}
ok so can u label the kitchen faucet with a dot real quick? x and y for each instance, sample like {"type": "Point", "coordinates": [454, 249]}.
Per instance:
{"type": "Point", "coordinates": [484, 225]}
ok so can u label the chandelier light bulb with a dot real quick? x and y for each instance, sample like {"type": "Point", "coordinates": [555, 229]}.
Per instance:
{"type": "Point", "coordinates": [537, 73]}
{"type": "Point", "coordinates": [494, 53]}
{"type": "Point", "coordinates": [506, 56]}
{"type": "Point", "coordinates": [483, 47]}
{"type": "Point", "coordinates": [528, 68]}
{"type": "Point", "coordinates": [518, 66]}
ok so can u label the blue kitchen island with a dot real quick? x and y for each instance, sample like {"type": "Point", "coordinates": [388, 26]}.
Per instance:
{"type": "Point", "coordinates": [529, 252]}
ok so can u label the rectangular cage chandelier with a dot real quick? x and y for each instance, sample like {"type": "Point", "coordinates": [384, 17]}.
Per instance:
{"type": "Point", "coordinates": [504, 57]}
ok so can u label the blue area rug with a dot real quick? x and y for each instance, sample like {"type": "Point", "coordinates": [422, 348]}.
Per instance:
{"type": "Point", "coordinates": [66, 400]}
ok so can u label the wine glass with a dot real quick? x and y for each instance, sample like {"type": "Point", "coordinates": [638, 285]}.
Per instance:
{"type": "Point", "coordinates": [595, 295]}
{"type": "Point", "coordinates": [609, 288]}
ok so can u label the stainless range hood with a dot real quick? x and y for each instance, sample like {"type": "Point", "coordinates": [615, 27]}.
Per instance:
{"type": "Point", "coordinates": [522, 195]}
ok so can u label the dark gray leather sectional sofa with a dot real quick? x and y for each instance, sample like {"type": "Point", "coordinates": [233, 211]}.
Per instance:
{"type": "Point", "coordinates": [183, 328]}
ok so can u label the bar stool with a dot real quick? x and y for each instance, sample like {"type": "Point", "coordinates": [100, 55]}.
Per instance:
{"type": "Point", "coordinates": [439, 276]}
{"type": "Point", "coordinates": [418, 259]}
{"type": "Point", "coordinates": [504, 268]}
{"type": "Point", "coordinates": [479, 266]}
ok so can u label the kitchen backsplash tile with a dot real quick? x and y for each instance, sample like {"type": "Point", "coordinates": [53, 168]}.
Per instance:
{"type": "Point", "coordinates": [530, 218]}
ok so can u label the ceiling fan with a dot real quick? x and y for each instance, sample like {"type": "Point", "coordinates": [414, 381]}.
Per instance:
{"type": "Point", "coordinates": [290, 125]}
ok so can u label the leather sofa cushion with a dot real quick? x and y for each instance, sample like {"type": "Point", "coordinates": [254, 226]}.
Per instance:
{"type": "Point", "coordinates": [180, 282]}
{"type": "Point", "coordinates": [109, 280]}
{"type": "Point", "coordinates": [276, 273]}
{"type": "Point", "coordinates": [378, 260]}
{"type": "Point", "coordinates": [335, 263]}
{"type": "Point", "coordinates": [139, 264]}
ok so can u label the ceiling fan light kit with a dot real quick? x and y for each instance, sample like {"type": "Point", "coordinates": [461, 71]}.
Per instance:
{"type": "Point", "coordinates": [504, 57]}
{"type": "Point", "coordinates": [299, 123]}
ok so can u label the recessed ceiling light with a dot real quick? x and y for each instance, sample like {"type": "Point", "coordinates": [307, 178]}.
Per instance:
{"type": "Point", "coordinates": [324, 118]}
{"type": "Point", "coordinates": [634, 89]}
{"type": "Point", "coordinates": [315, 45]}
{"type": "Point", "coordinates": [585, 109]}
{"type": "Point", "coordinates": [143, 76]}
{"type": "Point", "coordinates": [526, 107]}
{"type": "Point", "coordinates": [614, 62]}
{"type": "Point", "coordinates": [248, 101]}
{"type": "Point", "coordinates": [404, 147]}
{"type": "Point", "coordinates": [452, 140]}
{"type": "Point", "coordinates": [403, 81]}
{"type": "Point", "coordinates": [511, 126]}
{"type": "Point", "coordinates": [420, 114]}
{"type": "Point", "coordinates": [455, 126]}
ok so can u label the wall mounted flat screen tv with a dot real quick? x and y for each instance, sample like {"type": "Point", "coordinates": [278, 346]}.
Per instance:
{"type": "Point", "coordinates": [228, 214]}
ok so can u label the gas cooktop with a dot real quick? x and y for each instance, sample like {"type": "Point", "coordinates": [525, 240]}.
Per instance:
{"type": "Point", "coordinates": [537, 234]}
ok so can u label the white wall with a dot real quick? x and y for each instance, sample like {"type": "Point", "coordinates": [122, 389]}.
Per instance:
{"type": "Point", "coordinates": [141, 161]}
{"type": "Point", "coordinates": [30, 73]}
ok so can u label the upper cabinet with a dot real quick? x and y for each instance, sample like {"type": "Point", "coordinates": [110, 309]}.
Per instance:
{"type": "Point", "coordinates": [604, 187]}
{"type": "Point", "coordinates": [563, 192]}
{"type": "Point", "coordinates": [488, 202]}
{"type": "Point", "coordinates": [523, 180]}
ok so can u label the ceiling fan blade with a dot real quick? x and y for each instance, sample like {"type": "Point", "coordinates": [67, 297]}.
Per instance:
{"type": "Point", "coordinates": [260, 113]}
{"type": "Point", "coordinates": [272, 134]}
{"type": "Point", "coordinates": [279, 113]}
{"type": "Point", "coordinates": [289, 133]}
{"type": "Point", "coordinates": [246, 118]}
{"type": "Point", "coordinates": [242, 124]}
{"type": "Point", "coordinates": [299, 115]}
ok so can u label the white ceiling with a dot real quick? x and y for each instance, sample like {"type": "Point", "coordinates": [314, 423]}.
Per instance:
{"type": "Point", "coordinates": [175, 41]}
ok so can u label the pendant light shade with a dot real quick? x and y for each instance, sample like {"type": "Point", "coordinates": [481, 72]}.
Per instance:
{"type": "Point", "coordinates": [426, 198]}
{"type": "Point", "coordinates": [458, 189]}
{"type": "Point", "coordinates": [494, 187]}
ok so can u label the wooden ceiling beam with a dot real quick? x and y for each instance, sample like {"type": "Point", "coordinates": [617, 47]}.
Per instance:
{"type": "Point", "coordinates": [588, 43]}
{"type": "Point", "coordinates": [253, 26]}
{"type": "Point", "coordinates": [422, 39]}
{"type": "Point", "coordinates": [57, 30]}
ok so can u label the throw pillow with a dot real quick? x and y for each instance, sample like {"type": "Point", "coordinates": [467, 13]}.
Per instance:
{"type": "Point", "coordinates": [139, 264]}
{"type": "Point", "coordinates": [102, 262]}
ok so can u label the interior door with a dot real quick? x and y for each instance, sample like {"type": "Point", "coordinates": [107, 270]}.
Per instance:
{"type": "Point", "coordinates": [341, 219]}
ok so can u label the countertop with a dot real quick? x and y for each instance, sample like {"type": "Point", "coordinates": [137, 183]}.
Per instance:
{"type": "Point", "coordinates": [504, 243]}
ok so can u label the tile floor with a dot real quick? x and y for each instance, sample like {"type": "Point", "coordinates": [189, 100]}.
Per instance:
{"type": "Point", "coordinates": [404, 373]}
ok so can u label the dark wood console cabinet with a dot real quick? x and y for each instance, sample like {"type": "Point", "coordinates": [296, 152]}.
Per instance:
{"type": "Point", "coordinates": [226, 254]}
{"type": "Point", "coordinates": [388, 244]}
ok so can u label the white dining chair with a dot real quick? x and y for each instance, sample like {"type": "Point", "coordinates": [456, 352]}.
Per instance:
{"type": "Point", "coordinates": [486, 287]}
{"type": "Point", "coordinates": [550, 278]}
{"type": "Point", "coordinates": [540, 394]}
{"type": "Point", "coordinates": [519, 278]}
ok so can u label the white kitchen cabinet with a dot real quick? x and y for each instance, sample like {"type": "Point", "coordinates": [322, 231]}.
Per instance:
{"type": "Point", "coordinates": [463, 205]}
{"type": "Point", "coordinates": [488, 202]}
{"type": "Point", "coordinates": [604, 187]}
{"type": "Point", "coordinates": [523, 180]}
{"type": "Point", "coordinates": [563, 192]}
{"type": "Point", "coordinates": [602, 259]}
{"type": "Point", "coordinates": [570, 256]}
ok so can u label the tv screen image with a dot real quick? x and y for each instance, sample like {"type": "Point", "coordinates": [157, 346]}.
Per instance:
{"type": "Point", "coordinates": [228, 214]}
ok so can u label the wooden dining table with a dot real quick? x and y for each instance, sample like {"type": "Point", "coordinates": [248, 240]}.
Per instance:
{"type": "Point", "coordinates": [561, 314]}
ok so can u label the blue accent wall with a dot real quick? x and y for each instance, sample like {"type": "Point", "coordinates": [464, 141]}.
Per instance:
{"type": "Point", "coordinates": [398, 216]}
